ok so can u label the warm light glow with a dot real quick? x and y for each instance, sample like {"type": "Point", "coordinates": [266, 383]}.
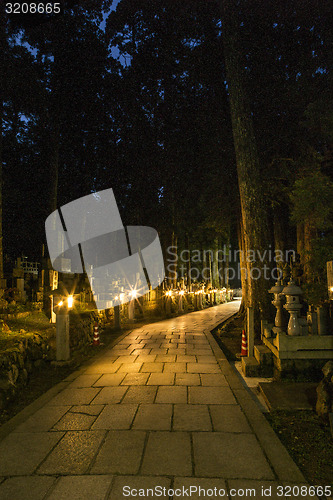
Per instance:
{"type": "Point", "coordinates": [60, 303]}
{"type": "Point", "coordinates": [116, 298]}
{"type": "Point", "coordinates": [70, 301]}
{"type": "Point", "coordinates": [168, 293]}
{"type": "Point", "coordinates": [121, 296]}
{"type": "Point", "coordinates": [181, 292]}
{"type": "Point", "coordinates": [331, 289]}
{"type": "Point", "coordinates": [133, 293]}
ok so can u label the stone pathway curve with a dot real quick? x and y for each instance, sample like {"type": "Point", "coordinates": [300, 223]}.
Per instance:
{"type": "Point", "coordinates": [162, 408]}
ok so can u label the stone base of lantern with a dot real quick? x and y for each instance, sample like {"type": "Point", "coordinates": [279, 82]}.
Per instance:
{"type": "Point", "coordinates": [294, 356]}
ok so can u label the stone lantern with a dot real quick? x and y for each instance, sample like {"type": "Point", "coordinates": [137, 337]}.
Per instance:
{"type": "Point", "coordinates": [293, 306]}
{"type": "Point", "coordinates": [277, 302]}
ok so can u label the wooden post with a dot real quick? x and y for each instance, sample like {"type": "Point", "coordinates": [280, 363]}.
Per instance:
{"type": "Point", "coordinates": [131, 310]}
{"type": "Point", "coordinates": [250, 331]}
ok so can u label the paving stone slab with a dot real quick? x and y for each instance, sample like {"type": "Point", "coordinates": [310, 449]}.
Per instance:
{"type": "Point", "coordinates": [211, 395]}
{"type": "Point", "coordinates": [176, 351]}
{"type": "Point", "coordinates": [177, 367]}
{"type": "Point", "coordinates": [105, 367]}
{"type": "Point", "coordinates": [139, 352]}
{"type": "Point", "coordinates": [74, 396]}
{"type": "Point", "coordinates": [117, 350]}
{"type": "Point", "coordinates": [87, 409]}
{"type": "Point", "coordinates": [140, 394]}
{"type": "Point", "coordinates": [161, 379]}
{"type": "Point", "coordinates": [130, 367]}
{"type": "Point", "coordinates": [219, 454]}
{"type": "Point", "coordinates": [134, 351]}
{"type": "Point", "coordinates": [129, 358]}
{"type": "Point", "coordinates": [183, 358]}
{"type": "Point", "coordinates": [153, 417]}
{"type": "Point", "coordinates": [109, 395]}
{"type": "Point", "coordinates": [191, 418]}
{"type": "Point", "coordinates": [135, 379]}
{"type": "Point", "coordinates": [81, 488]}
{"type": "Point", "coordinates": [159, 350]}
{"type": "Point", "coordinates": [21, 453]}
{"type": "Point", "coordinates": [116, 417]}
{"type": "Point", "coordinates": [43, 420]}
{"type": "Point", "coordinates": [74, 422]}
{"type": "Point", "coordinates": [152, 367]}
{"type": "Point", "coordinates": [133, 346]}
{"type": "Point", "coordinates": [229, 418]}
{"type": "Point", "coordinates": [198, 351]}
{"type": "Point", "coordinates": [110, 379]}
{"type": "Point", "coordinates": [167, 453]}
{"type": "Point", "coordinates": [209, 358]}
{"type": "Point", "coordinates": [26, 487]}
{"type": "Point", "coordinates": [187, 379]}
{"type": "Point", "coordinates": [213, 379]}
{"type": "Point", "coordinates": [196, 487]}
{"type": "Point", "coordinates": [146, 358]}
{"type": "Point", "coordinates": [171, 394]}
{"type": "Point", "coordinates": [121, 453]}
{"type": "Point", "coordinates": [73, 454]}
{"type": "Point", "coordinates": [166, 358]}
{"type": "Point", "coordinates": [203, 368]}
{"type": "Point", "coordinates": [130, 486]}
{"type": "Point", "coordinates": [86, 380]}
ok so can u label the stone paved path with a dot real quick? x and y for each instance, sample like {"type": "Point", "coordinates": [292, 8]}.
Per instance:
{"type": "Point", "coordinates": [161, 408]}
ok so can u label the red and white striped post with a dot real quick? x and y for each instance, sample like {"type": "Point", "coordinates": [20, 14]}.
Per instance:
{"type": "Point", "coordinates": [96, 335]}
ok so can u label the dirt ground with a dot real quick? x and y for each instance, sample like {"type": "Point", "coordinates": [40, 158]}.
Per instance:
{"type": "Point", "coordinates": [308, 439]}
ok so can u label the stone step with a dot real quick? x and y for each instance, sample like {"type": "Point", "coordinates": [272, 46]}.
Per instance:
{"type": "Point", "coordinates": [250, 366]}
{"type": "Point", "coordinates": [263, 354]}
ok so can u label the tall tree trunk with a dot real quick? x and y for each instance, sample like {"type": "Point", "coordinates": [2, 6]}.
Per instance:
{"type": "Point", "coordinates": [216, 278]}
{"type": "Point", "coordinates": [300, 243]}
{"type": "Point", "coordinates": [310, 234]}
{"type": "Point", "coordinates": [2, 98]}
{"type": "Point", "coordinates": [174, 265]}
{"type": "Point", "coordinates": [243, 267]}
{"type": "Point", "coordinates": [188, 263]}
{"type": "Point", "coordinates": [253, 209]}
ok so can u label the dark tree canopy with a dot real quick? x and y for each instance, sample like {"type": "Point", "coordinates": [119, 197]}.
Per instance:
{"type": "Point", "coordinates": [141, 103]}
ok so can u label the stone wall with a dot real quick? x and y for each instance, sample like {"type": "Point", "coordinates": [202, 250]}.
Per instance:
{"type": "Point", "coordinates": [81, 328]}
{"type": "Point", "coordinates": [18, 361]}
{"type": "Point", "coordinates": [35, 351]}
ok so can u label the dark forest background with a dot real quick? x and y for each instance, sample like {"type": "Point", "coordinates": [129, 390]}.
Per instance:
{"type": "Point", "coordinates": [137, 99]}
